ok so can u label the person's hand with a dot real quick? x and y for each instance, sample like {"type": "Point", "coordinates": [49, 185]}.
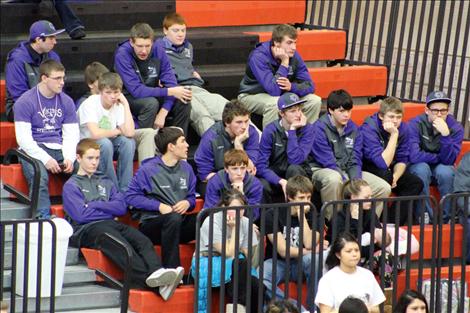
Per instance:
{"type": "Point", "coordinates": [165, 208]}
{"type": "Point", "coordinates": [159, 122]}
{"type": "Point", "coordinates": [68, 166]}
{"type": "Point", "coordinates": [196, 74]}
{"type": "Point", "coordinates": [318, 248]}
{"type": "Point", "coordinates": [390, 128]}
{"type": "Point", "coordinates": [231, 220]}
{"type": "Point", "coordinates": [300, 123]}
{"type": "Point", "coordinates": [284, 83]}
{"type": "Point", "coordinates": [238, 186]}
{"type": "Point", "coordinates": [180, 93]}
{"type": "Point", "coordinates": [394, 181]}
{"type": "Point", "coordinates": [280, 54]}
{"type": "Point", "coordinates": [117, 132]}
{"type": "Point", "coordinates": [251, 168]}
{"type": "Point", "coordinates": [181, 207]}
{"type": "Point", "coordinates": [122, 99]}
{"type": "Point", "coordinates": [441, 126]}
{"type": "Point", "coordinates": [240, 139]}
{"type": "Point", "coordinates": [283, 184]}
{"type": "Point", "coordinates": [53, 167]}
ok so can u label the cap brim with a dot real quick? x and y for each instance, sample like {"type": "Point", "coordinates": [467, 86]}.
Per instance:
{"type": "Point", "coordinates": [295, 103]}
{"type": "Point", "coordinates": [446, 100]}
{"type": "Point", "coordinates": [59, 31]}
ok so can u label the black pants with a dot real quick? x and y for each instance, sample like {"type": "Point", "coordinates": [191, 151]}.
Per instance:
{"type": "Point", "coordinates": [146, 109]}
{"type": "Point", "coordinates": [144, 259]}
{"type": "Point", "coordinates": [243, 270]}
{"type": "Point", "coordinates": [407, 185]}
{"type": "Point", "coordinates": [169, 230]}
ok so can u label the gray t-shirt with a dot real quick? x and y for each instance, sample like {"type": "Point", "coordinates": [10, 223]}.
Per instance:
{"type": "Point", "coordinates": [217, 232]}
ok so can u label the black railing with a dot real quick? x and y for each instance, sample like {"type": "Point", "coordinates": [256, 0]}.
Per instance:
{"type": "Point", "coordinates": [423, 43]}
{"type": "Point", "coordinates": [18, 239]}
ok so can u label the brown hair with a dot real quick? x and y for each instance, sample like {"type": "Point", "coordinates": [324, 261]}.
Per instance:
{"type": "Point", "coordinates": [142, 30]}
{"type": "Point", "coordinates": [353, 187]}
{"type": "Point", "coordinates": [390, 104]}
{"type": "Point", "coordinates": [283, 30]}
{"type": "Point", "coordinates": [86, 144]}
{"type": "Point", "coordinates": [298, 184]}
{"type": "Point", "coordinates": [233, 109]}
{"type": "Point", "coordinates": [49, 66]}
{"type": "Point", "coordinates": [93, 71]}
{"type": "Point", "coordinates": [172, 19]}
{"type": "Point", "coordinates": [235, 157]}
{"type": "Point", "coordinates": [110, 80]}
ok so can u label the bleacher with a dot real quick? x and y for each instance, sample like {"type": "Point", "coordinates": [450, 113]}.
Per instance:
{"type": "Point", "coordinates": [223, 33]}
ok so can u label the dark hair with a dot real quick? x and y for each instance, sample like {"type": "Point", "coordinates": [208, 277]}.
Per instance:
{"type": "Point", "coordinates": [167, 135]}
{"type": "Point", "coordinates": [353, 305]}
{"type": "Point", "coordinates": [233, 109]}
{"type": "Point", "coordinates": [406, 298]}
{"type": "Point", "coordinates": [339, 243]}
{"type": "Point", "coordinates": [93, 71]}
{"type": "Point", "coordinates": [49, 66]}
{"type": "Point", "coordinates": [281, 306]}
{"type": "Point", "coordinates": [143, 31]}
{"type": "Point", "coordinates": [339, 99]}
{"type": "Point", "coordinates": [283, 30]}
{"type": "Point", "coordinates": [353, 187]}
{"type": "Point", "coordinates": [231, 194]}
{"type": "Point", "coordinates": [85, 144]}
{"type": "Point", "coordinates": [297, 184]}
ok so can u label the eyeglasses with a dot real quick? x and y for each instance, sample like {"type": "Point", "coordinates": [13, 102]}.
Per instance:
{"type": "Point", "coordinates": [58, 78]}
{"type": "Point", "coordinates": [437, 111]}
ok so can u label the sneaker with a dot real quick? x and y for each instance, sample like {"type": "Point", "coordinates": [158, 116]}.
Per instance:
{"type": "Point", "coordinates": [240, 308]}
{"type": "Point", "coordinates": [168, 290]}
{"type": "Point", "coordinates": [77, 34]}
{"type": "Point", "coordinates": [161, 277]}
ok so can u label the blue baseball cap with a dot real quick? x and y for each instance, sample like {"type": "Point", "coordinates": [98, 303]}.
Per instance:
{"type": "Point", "coordinates": [437, 96]}
{"type": "Point", "coordinates": [288, 100]}
{"type": "Point", "coordinates": [43, 28]}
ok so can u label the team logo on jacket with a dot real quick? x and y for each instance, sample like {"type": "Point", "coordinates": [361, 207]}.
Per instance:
{"type": "Point", "coordinates": [183, 184]}
{"type": "Point", "coordinates": [349, 142]}
{"type": "Point", "coordinates": [101, 191]}
{"type": "Point", "coordinates": [152, 71]}
{"type": "Point", "coordinates": [291, 71]}
{"type": "Point", "coordinates": [187, 53]}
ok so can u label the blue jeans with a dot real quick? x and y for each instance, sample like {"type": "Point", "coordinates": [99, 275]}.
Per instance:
{"type": "Point", "coordinates": [282, 270]}
{"type": "Point", "coordinates": [44, 202]}
{"type": "Point", "coordinates": [124, 148]}
{"type": "Point", "coordinates": [440, 175]}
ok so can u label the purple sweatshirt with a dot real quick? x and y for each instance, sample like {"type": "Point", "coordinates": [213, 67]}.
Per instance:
{"type": "Point", "coordinates": [429, 146]}
{"type": "Point", "coordinates": [376, 139]}
{"type": "Point", "coordinates": [126, 66]}
{"type": "Point", "coordinates": [263, 70]}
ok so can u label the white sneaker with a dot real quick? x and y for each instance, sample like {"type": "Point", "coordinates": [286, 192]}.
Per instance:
{"type": "Point", "coordinates": [161, 277]}
{"type": "Point", "coordinates": [230, 306]}
{"type": "Point", "coordinates": [168, 290]}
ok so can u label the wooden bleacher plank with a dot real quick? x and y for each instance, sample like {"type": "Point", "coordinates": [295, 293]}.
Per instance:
{"type": "Point", "coordinates": [239, 13]}
{"type": "Point", "coordinates": [316, 45]}
{"type": "Point", "coordinates": [359, 81]}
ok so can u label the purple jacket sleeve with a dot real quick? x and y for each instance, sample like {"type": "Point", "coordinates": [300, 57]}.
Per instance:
{"type": "Point", "coordinates": [452, 144]}
{"type": "Point", "coordinates": [259, 65]}
{"type": "Point", "coordinates": [355, 169]}
{"type": "Point", "coordinates": [212, 196]}
{"type": "Point", "coordinates": [255, 193]}
{"type": "Point", "coordinates": [299, 148]}
{"type": "Point", "coordinates": [191, 197]}
{"type": "Point", "coordinates": [303, 84]}
{"type": "Point", "coordinates": [417, 155]}
{"type": "Point", "coordinates": [321, 149]}
{"type": "Point", "coordinates": [372, 151]}
{"type": "Point", "coordinates": [204, 157]}
{"type": "Point", "coordinates": [265, 147]}
{"type": "Point", "coordinates": [402, 154]}
{"type": "Point", "coordinates": [138, 188]}
{"type": "Point", "coordinates": [251, 145]}
{"type": "Point", "coordinates": [82, 212]}
{"type": "Point", "coordinates": [167, 76]}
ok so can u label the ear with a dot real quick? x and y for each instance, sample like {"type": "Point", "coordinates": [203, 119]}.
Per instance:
{"type": "Point", "coordinates": [338, 255]}
{"type": "Point", "coordinates": [165, 31]}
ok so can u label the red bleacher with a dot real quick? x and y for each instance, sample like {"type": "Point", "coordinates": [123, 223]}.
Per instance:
{"type": "Point", "coordinates": [3, 96]}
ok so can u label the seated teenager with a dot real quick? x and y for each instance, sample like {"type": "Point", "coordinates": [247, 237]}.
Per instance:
{"type": "Point", "coordinates": [91, 203]}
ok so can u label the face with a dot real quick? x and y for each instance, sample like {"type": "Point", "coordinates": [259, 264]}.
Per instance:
{"type": "Point", "coordinates": [393, 117]}
{"type": "Point", "coordinates": [437, 110]}
{"type": "Point", "coordinates": [238, 125]}
{"type": "Point", "coordinates": [365, 193]}
{"type": "Point", "coordinates": [233, 213]}
{"type": "Point", "coordinates": [142, 47]}
{"type": "Point", "coordinates": [180, 149]}
{"type": "Point", "coordinates": [54, 81]}
{"type": "Point", "coordinates": [176, 33]}
{"type": "Point", "coordinates": [89, 161]}
{"type": "Point", "coordinates": [416, 306]}
{"type": "Point", "coordinates": [340, 116]}
{"type": "Point", "coordinates": [292, 114]}
{"type": "Point", "coordinates": [301, 197]}
{"type": "Point", "coordinates": [288, 44]}
{"type": "Point", "coordinates": [350, 255]}
{"type": "Point", "coordinates": [236, 173]}
{"type": "Point", "coordinates": [47, 44]}
{"type": "Point", "coordinates": [109, 96]}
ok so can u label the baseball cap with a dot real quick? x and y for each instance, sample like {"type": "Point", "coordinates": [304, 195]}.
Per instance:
{"type": "Point", "coordinates": [43, 28]}
{"type": "Point", "coordinates": [288, 100]}
{"type": "Point", "coordinates": [438, 96]}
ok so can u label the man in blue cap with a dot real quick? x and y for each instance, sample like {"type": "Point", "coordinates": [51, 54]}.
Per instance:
{"type": "Point", "coordinates": [284, 147]}
{"type": "Point", "coordinates": [435, 142]}
{"type": "Point", "coordinates": [22, 68]}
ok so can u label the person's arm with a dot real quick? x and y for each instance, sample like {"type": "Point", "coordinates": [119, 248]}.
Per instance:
{"type": "Point", "coordinates": [24, 138]}
{"type": "Point", "coordinates": [204, 157]}
{"type": "Point", "coordinates": [16, 79]}
{"type": "Point", "coordinates": [354, 165]}
{"type": "Point", "coordinates": [127, 128]}
{"type": "Point", "coordinates": [418, 155]}
{"type": "Point", "coordinates": [139, 187]}
{"type": "Point", "coordinates": [251, 145]}
{"type": "Point", "coordinates": [282, 246]}
{"type": "Point", "coordinates": [451, 144]}
{"type": "Point", "coordinates": [89, 116]}
{"type": "Point", "coordinates": [398, 170]}
{"type": "Point", "coordinates": [263, 73]}
{"type": "Point", "coordinates": [303, 84]}
{"type": "Point", "coordinates": [321, 149]}
{"type": "Point", "coordinates": [212, 196]}
{"type": "Point", "coordinates": [326, 309]}
{"type": "Point", "coordinates": [298, 148]}
{"type": "Point", "coordinates": [372, 151]}
{"type": "Point", "coordinates": [265, 150]}
{"type": "Point", "coordinates": [388, 153]}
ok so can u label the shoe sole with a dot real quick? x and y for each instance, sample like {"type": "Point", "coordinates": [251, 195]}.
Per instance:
{"type": "Point", "coordinates": [175, 284]}
{"type": "Point", "coordinates": [164, 279]}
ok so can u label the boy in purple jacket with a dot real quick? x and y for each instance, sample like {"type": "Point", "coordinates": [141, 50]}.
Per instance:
{"type": "Point", "coordinates": [386, 153]}
{"type": "Point", "coordinates": [435, 142]}
{"type": "Point", "coordinates": [150, 83]}
{"type": "Point", "coordinates": [234, 175]}
{"type": "Point", "coordinates": [275, 67]}
{"type": "Point", "coordinates": [337, 151]}
{"type": "Point", "coordinates": [91, 202]}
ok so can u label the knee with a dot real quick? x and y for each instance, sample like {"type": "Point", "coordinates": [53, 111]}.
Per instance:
{"type": "Point", "coordinates": [127, 145]}
{"type": "Point", "coordinates": [332, 178]}
{"type": "Point", "coordinates": [312, 100]}
{"type": "Point", "coordinates": [445, 174]}
{"type": "Point", "coordinates": [294, 170]}
{"type": "Point", "coordinates": [422, 170]}
{"type": "Point", "coordinates": [149, 104]}
{"type": "Point", "coordinates": [106, 147]}
{"type": "Point", "coordinates": [174, 220]}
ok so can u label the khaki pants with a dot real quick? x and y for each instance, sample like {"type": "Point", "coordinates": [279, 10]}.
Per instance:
{"type": "Point", "coordinates": [266, 105]}
{"type": "Point", "coordinates": [145, 140]}
{"type": "Point", "coordinates": [206, 109]}
{"type": "Point", "coordinates": [331, 184]}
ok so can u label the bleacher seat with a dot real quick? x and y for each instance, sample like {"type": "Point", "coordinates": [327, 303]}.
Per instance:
{"type": "Point", "coordinates": [446, 241]}
{"type": "Point", "coordinates": [7, 137]}
{"type": "Point", "coordinates": [3, 96]}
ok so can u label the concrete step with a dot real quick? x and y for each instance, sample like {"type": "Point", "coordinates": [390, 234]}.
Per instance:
{"type": "Point", "coordinates": [13, 209]}
{"type": "Point", "coordinates": [72, 256]}
{"type": "Point", "coordinates": [73, 274]}
{"type": "Point", "coordinates": [79, 297]}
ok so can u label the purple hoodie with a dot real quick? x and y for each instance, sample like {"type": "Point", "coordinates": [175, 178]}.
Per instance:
{"type": "Point", "coordinates": [376, 139]}
{"type": "Point", "coordinates": [431, 147]}
{"type": "Point", "coordinates": [126, 66]}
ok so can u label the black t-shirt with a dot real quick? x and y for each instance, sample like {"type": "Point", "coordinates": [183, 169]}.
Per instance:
{"type": "Point", "coordinates": [282, 221]}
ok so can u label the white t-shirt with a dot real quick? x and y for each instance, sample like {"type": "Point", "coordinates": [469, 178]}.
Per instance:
{"type": "Point", "coordinates": [91, 110]}
{"type": "Point", "coordinates": [336, 285]}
